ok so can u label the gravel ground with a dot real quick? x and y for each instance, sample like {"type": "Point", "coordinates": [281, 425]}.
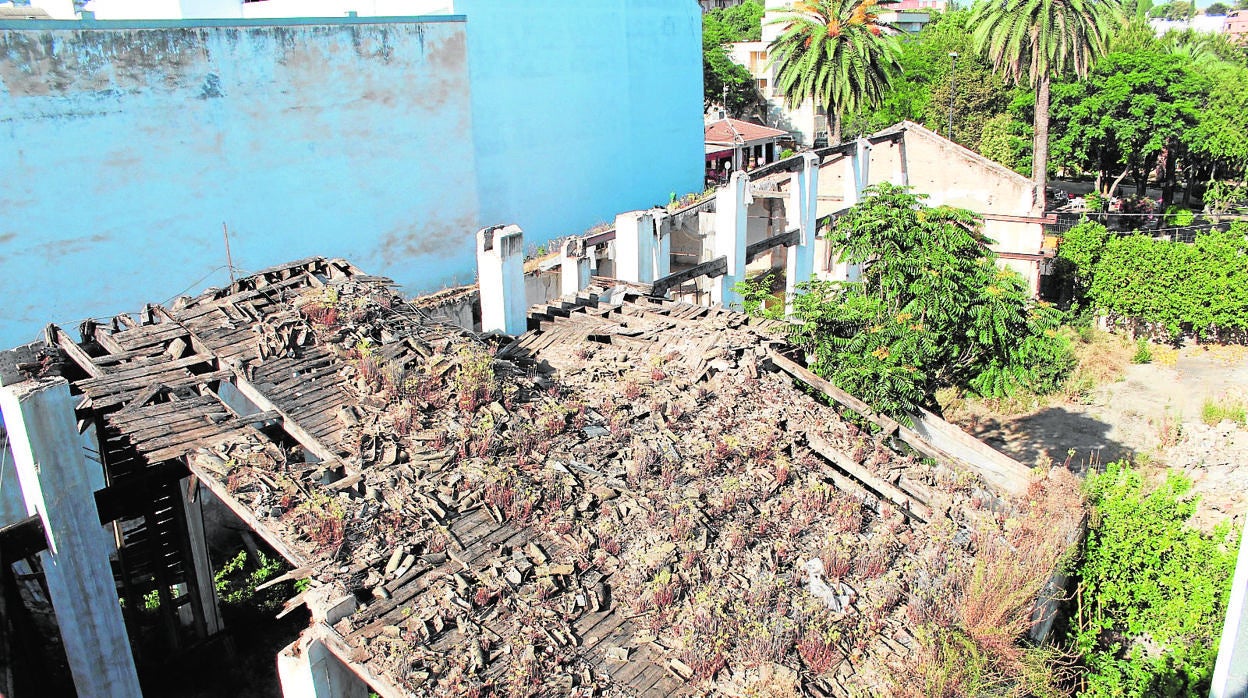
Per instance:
{"type": "Point", "coordinates": [1153, 416]}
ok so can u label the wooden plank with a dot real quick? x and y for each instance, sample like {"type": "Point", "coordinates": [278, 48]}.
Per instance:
{"type": "Point", "coordinates": [275, 541]}
{"type": "Point", "coordinates": [291, 426]}
{"type": "Point", "coordinates": [715, 267]}
{"type": "Point", "coordinates": [892, 493]}
{"type": "Point", "coordinates": [183, 381]}
{"type": "Point", "coordinates": [887, 425]}
{"type": "Point", "coordinates": [73, 351]}
{"type": "Point", "coordinates": [765, 245]}
{"type": "Point", "coordinates": [127, 374]}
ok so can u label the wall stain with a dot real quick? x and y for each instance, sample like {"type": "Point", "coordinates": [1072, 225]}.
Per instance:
{"type": "Point", "coordinates": [56, 249]}
{"type": "Point", "coordinates": [211, 88]}
{"type": "Point", "coordinates": [7, 238]}
{"type": "Point", "coordinates": [413, 241]}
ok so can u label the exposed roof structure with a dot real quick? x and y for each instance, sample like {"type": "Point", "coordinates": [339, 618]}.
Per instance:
{"type": "Point", "coordinates": [735, 131]}
{"type": "Point", "coordinates": [637, 497]}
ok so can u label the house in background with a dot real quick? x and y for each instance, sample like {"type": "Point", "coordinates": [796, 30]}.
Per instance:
{"type": "Point", "coordinates": [1236, 26]}
{"type": "Point", "coordinates": [732, 144]}
{"type": "Point", "coordinates": [806, 121]}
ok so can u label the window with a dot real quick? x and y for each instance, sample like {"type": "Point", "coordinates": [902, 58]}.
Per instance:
{"type": "Point", "coordinates": [758, 61]}
{"type": "Point", "coordinates": [762, 86]}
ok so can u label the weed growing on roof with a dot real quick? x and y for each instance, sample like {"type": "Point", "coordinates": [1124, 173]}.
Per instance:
{"type": "Point", "coordinates": [321, 519]}
{"type": "Point", "coordinates": [474, 382]}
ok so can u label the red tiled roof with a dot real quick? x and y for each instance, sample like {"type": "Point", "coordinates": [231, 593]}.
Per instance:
{"type": "Point", "coordinates": [728, 130]}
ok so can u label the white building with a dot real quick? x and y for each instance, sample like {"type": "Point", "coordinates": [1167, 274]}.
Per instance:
{"type": "Point", "coordinates": [806, 122]}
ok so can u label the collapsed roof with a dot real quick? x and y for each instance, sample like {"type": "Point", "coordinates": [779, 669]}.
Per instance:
{"type": "Point", "coordinates": [637, 497]}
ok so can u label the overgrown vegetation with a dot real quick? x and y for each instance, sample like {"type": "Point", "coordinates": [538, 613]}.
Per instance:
{"type": "Point", "coordinates": [238, 578]}
{"type": "Point", "coordinates": [931, 310]}
{"type": "Point", "coordinates": [1159, 287]}
{"type": "Point", "coordinates": [1152, 590]}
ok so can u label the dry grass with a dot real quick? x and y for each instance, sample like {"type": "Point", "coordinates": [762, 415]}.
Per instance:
{"type": "Point", "coordinates": [977, 651]}
{"type": "Point", "coordinates": [1226, 407]}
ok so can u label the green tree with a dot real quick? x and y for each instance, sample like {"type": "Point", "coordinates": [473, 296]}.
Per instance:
{"type": "Point", "coordinates": [1218, 137]}
{"type": "Point", "coordinates": [1039, 40]}
{"type": "Point", "coordinates": [720, 28]}
{"type": "Point", "coordinates": [1152, 590]}
{"type": "Point", "coordinates": [931, 310]}
{"type": "Point", "coordinates": [837, 54]}
{"type": "Point", "coordinates": [1131, 109]}
{"type": "Point", "coordinates": [1003, 140]}
{"type": "Point", "coordinates": [1217, 8]}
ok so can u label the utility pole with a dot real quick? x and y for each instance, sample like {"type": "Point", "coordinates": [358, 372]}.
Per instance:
{"type": "Point", "coordinates": [725, 100]}
{"type": "Point", "coordinates": [953, 77]}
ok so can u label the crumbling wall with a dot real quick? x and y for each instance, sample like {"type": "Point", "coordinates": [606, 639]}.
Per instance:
{"type": "Point", "coordinates": [127, 145]}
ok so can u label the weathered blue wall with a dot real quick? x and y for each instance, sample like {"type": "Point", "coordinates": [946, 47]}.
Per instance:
{"type": "Point", "coordinates": [125, 145]}
{"type": "Point", "coordinates": [583, 109]}
{"type": "Point", "coordinates": [123, 150]}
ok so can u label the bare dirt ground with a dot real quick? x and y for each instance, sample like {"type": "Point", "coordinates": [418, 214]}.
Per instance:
{"type": "Point", "coordinates": [1152, 415]}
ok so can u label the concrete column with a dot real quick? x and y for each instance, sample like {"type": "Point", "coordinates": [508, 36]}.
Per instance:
{"type": "Point", "coordinates": [643, 247]}
{"type": "Point", "coordinates": [857, 171]}
{"type": "Point", "coordinates": [199, 554]}
{"type": "Point", "coordinates": [803, 215]}
{"type": "Point", "coordinates": [732, 205]}
{"type": "Point", "coordinates": [500, 274]}
{"type": "Point", "coordinates": [574, 272]}
{"type": "Point", "coordinates": [1230, 672]}
{"type": "Point", "coordinates": [55, 477]}
{"type": "Point", "coordinates": [307, 669]}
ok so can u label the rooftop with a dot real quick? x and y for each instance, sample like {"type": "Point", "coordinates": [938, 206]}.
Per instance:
{"type": "Point", "coordinates": [639, 496]}
{"type": "Point", "coordinates": [735, 131]}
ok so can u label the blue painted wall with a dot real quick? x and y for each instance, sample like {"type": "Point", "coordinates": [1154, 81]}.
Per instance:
{"type": "Point", "coordinates": [125, 145]}
{"type": "Point", "coordinates": [583, 109]}
{"type": "Point", "coordinates": [123, 150]}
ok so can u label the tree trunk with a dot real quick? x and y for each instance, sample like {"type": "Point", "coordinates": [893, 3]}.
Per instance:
{"type": "Point", "coordinates": [1167, 182]}
{"type": "Point", "coordinates": [1040, 147]}
{"type": "Point", "coordinates": [834, 127]}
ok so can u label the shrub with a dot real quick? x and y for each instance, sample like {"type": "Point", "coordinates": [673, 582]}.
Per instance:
{"type": "Point", "coordinates": [1214, 411]}
{"type": "Point", "coordinates": [1143, 354]}
{"type": "Point", "coordinates": [1152, 590]}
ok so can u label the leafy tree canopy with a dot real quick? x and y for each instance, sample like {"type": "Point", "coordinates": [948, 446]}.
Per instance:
{"type": "Point", "coordinates": [931, 310]}
{"type": "Point", "coordinates": [1131, 107]}
{"type": "Point", "coordinates": [1220, 134]}
{"type": "Point", "coordinates": [1217, 8]}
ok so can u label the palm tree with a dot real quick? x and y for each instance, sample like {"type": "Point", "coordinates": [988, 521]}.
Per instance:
{"type": "Point", "coordinates": [1037, 40]}
{"type": "Point", "coordinates": [837, 54]}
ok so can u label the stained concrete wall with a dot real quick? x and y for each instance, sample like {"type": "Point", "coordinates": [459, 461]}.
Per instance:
{"type": "Point", "coordinates": [126, 146]}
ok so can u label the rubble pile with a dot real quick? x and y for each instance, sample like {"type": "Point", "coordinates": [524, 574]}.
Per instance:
{"type": "Point", "coordinates": [643, 504]}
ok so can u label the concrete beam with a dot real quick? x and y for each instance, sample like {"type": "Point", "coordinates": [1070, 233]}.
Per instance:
{"type": "Point", "coordinates": [732, 203]}
{"type": "Point", "coordinates": [307, 669]}
{"type": "Point", "coordinates": [803, 215]}
{"type": "Point", "coordinates": [56, 482]}
{"type": "Point", "coordinates": [500, 274]}
{"type": "Point", "coordinates": [857, 171]}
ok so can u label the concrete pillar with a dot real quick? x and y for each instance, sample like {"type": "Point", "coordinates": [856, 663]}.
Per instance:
{"type": "Point", "coordinates": [857, 171]}
{"type": "Point", "coordinates": [574, 272]}
{"type": "Point", "coordinates": [55, 477]}
{"type": "Point", "coordinates": [803, 215]}
{"type": "Point", "coordinates": [307, 669]}
{"type": "Point", "coordinates": [199, 554]}
{"type": "Point", "coordinates": [500, 274]}
{"type": "Point", "coordinates": [643, 247]}
{"type": "Point", "coordinates": [1230, 672]}
{"type": "Point", "coordinates": [732, 205]}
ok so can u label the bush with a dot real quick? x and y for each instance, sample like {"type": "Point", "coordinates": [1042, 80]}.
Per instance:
{"type": "Point", "coordinates": [932, 310]}
{"type": "Point", "coordinates": [1177, 287]}
{"type": "Point", "coordinates": [1143, 354]}
{"type": "Point", "coordinates": [1152, 590]}
{"type": "Point", "coordinates": [786, 153]}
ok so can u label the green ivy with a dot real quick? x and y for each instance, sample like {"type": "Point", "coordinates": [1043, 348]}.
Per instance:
{"type": "Point", "coordinates": [1152, 590]}
{"type": "Point", "coordinates": [1200, 287]}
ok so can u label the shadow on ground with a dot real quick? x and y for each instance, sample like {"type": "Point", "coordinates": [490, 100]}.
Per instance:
{"type": "Point", "coordinates": [1053, 433]}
